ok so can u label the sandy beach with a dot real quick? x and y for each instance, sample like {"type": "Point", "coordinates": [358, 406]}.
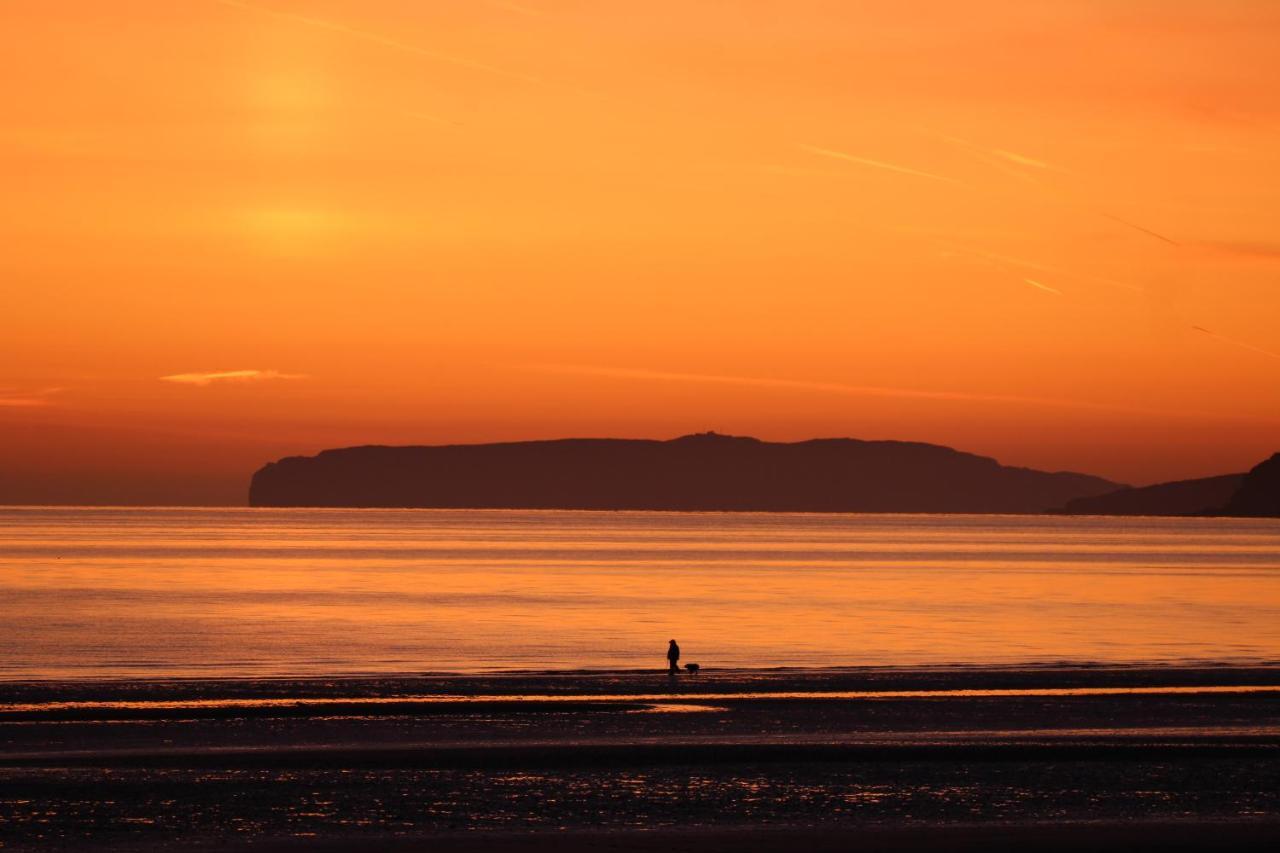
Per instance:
{"type": "Point", "coordinates": [1105, 757]}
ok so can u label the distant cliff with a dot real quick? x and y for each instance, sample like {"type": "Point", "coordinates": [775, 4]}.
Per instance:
{"type": "Point", "coordinates": [696, 472]}
{"type": "Point", "coordinates": [1255, 494]}
{"type": "Point", "coordinates": [1185, 497]}
{"type": "Point", "coordinates": [1259, 494]}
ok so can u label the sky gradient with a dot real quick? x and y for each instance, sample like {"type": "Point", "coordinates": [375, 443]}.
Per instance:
{"type": "Point", "coordinates": [1047, 232]}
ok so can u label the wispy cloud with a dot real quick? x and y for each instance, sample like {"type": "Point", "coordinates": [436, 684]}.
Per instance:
{"type": "Point", "coordinates": [845, 389]}
{"type": "Point", "coordinates": [13, 398]}
{"type": "Point", "coordinates": [211, 377]}
{"type": "Point", "coordinates": [378, 39]}
{"type": "Point", "coordinates": [876, 164]}
{"type": "Point", "coordinates": [1008, 156]}
{"type": "Point", "coordinates": [1020, 159]}
{"type": "Point", "coordinates": [1236, 343]}
{"type": "Point", "coordinates": [1045, 287]}
{"type": "Point", "coordinates": [1000, 159]}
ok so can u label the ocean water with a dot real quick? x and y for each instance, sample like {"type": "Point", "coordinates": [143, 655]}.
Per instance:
{"type": "Point", "coordinates": [110, 593]}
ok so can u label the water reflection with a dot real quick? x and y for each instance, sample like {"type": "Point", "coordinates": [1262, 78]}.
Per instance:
{"type": "Point", "coordinates": [183, 592]}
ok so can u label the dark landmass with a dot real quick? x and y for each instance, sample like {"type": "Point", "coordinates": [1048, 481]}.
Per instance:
{"type": "Point", "coordinates": [705, 472]}
{"type": "Point", "coordinates": [1252, 495]}
{"type": "Point", "coordinates": [725, 760]}
{"type": "Point", "coordinates": [1184, 497]}
{"type": "Point", "coordinates": [1259, 494]}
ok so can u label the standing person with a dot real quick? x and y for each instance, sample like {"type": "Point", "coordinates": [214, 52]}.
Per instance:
{"type": "Point", "coordinates": [673, 658]}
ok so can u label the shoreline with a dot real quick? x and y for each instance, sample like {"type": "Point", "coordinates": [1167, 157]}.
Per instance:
{"type": "Point", "coordinates": [840, 682]}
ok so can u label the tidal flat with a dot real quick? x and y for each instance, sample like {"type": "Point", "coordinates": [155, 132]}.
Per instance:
{"type": "Point", "coordinates": [873, 758]}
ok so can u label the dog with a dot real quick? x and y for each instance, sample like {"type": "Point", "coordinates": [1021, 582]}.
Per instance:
{"type": "Point", "coordinates": [693, 668]}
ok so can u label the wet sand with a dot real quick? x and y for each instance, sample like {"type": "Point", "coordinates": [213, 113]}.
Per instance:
{"type": "Point", "coordinates": [969, 758]}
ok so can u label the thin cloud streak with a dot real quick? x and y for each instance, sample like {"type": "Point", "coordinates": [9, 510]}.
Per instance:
{"type": "Point", "coordinates": [1004, 169]}
{"type": "Point", "coordinates": [209, 378]}
{"type": "Point", "coordinates": [876, 164]}
{"type": "Point", "coordinates": [986, 154]}
{"type": "Point", "coordinates": [1236, 343]}
{"type": "Point", "coordinates": [846, 390]}
{"type": "Point", "coordinates": [1006, 261]}
{"type": "Point", "coordinates": [1014, 157]}
{"type": "Point", "coordinates": [375, 38]}
{"type": "Point", "coordinates": [1045, 287]}
{"type": "Point", "coordinates": [1010, 156]}
{"type": "Point", "coordinates": [13, 398]}
{"type": "Point", "coordinates": [1137, 227]}
{"type": "Point", "coordinates": [7, 402]}
{"type": "Point", "coordinates": [1001, 160]}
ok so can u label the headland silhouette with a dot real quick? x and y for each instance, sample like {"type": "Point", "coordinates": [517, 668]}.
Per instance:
{"type": "Point", "coordinates": [702, 472]}
{"type": "Point", "coordinates": [1253, 494]}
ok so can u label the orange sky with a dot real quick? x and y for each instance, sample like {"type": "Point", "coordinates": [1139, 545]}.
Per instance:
{"type": "Point", "coordinates": [1043, 231]}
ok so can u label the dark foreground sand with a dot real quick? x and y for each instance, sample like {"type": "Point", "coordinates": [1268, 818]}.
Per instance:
{"type": "Point", "coordinates": [1051, 758]}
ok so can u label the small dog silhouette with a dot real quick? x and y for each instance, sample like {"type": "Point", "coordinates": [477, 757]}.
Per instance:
{"type": "Point", "coordinates": [693, 668]}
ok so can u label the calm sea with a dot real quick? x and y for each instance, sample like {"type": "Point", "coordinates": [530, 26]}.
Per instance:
{"type": "Point", "coordinates": [239, 592]}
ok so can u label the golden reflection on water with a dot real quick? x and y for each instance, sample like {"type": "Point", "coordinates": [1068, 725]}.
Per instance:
{"type": "Point", "coordinates": [119, 592]}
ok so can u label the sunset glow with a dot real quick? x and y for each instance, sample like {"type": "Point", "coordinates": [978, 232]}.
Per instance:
{"type": "Point", "coordinates": [232, 231]}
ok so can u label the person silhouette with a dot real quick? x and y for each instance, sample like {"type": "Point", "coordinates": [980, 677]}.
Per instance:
{"type": "Point", "coordinates": [673, 658]}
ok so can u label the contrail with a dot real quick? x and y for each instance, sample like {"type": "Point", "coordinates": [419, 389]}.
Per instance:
{"type": "Point", "coordinates": [1034, 283]}
{"type": "Point", "coordinates": [1007, 170]}
{"type": "Point", "coordinates": [1236, 343]}
{"type": "Point", "coordinates": [877, 164]}
{"type": "Point", "coordinates": [843, 389]}
{"type": "Point", "coordinates": [1136, 227]}
{"type": "Point", "coordinates": [1011, 156]}
{"type": "Point", "coordinates": [999, 159]}
{"type": "Point", "coordinates": [1005, 260]}
{"type": "Point", "coordinates": [1020, 159]}
{"type": "Point", "coordinates": [375, 38]}
{"type": "Point", "coordinates": [1031, 162]}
